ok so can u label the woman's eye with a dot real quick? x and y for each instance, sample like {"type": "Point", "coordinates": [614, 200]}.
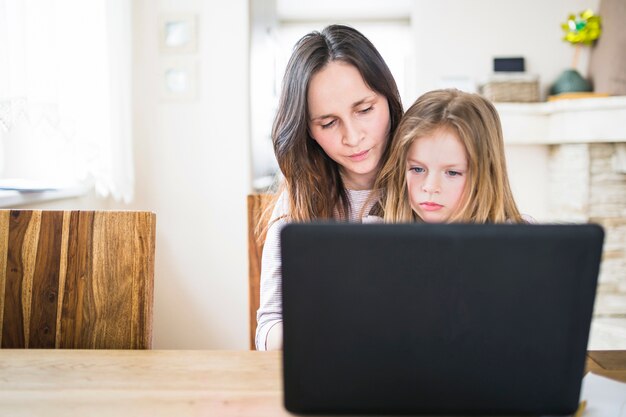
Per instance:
{"type": "Point", "coordinates": [327, 125]}
{"type": "Point", "coordinates": [367, 110]}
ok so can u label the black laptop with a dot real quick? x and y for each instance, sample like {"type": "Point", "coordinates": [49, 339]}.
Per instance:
{"type": "Point", "coordinates": [437, 319]}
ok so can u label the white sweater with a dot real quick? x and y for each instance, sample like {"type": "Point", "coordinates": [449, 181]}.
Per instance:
{"type": "Point", "coordinates": [270, 311]}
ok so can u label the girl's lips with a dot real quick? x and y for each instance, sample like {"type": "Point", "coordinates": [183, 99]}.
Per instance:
{"type": "Point", "coordinates": [359, 156]}
{"type": "Point", "coordinates": [430, 206]}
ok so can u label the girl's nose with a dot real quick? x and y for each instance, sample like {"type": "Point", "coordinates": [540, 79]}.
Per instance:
{"type": "Point", "coordinates": [431, 185]}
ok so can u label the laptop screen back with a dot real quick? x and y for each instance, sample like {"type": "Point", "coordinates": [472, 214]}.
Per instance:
{"type": "Point", "coordinates": [437, 319]}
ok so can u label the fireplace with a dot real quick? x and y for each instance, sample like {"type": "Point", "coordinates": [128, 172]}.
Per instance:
{"type": "Point", "coordinates": [581, 149]}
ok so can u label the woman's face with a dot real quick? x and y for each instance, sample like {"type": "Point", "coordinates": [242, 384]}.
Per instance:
{"type": "Point", "coordinates": [349, 121]}
{"type": "Point", "coordinates": [436, 174]}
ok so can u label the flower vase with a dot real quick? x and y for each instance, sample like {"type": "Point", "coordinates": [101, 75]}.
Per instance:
{"type": "Point", "coordinates": [569, 81]}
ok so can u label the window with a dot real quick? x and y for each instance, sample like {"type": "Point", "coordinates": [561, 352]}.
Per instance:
{"type": "Point", "coordinates": [65, 70]}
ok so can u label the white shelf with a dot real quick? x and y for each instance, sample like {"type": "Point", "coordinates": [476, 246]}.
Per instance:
{"type": "Point", "coordinates": [590, 120]}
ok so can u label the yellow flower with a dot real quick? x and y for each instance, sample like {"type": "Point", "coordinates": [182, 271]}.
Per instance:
{"type": "Point", "coordinates": [584, 28]}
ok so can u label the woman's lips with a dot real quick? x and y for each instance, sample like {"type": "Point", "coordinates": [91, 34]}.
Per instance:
{"type": "Point", "coordinates": [356, 157]}
{"type": "Point", "coordinates": [430, 206]}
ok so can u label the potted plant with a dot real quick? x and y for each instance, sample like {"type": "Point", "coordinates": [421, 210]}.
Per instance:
{"type": "Point", "coordinates": [581, 29]}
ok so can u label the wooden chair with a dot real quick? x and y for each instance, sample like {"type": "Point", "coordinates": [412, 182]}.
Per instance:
{"type": "Point", "coordinates": [257, 204]}
{"type": "Point", "coordinates": [76, 279]}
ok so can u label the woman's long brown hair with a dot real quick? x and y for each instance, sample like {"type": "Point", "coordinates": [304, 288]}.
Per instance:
{"type": "Point", "coordinates": [311, 179]}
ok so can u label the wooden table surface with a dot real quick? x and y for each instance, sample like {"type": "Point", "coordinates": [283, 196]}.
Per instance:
{"type": "Point", "coordinates": [162, 383]}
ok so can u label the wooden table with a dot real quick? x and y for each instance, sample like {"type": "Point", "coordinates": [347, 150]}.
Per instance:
{"type": "Point", "coordinates": [161, 383]}
{"type": "Point", "coordinates": [609, 363]}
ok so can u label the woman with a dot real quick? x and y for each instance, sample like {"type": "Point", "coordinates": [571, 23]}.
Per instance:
{"type": "Point", "coordinates": [338, 110]}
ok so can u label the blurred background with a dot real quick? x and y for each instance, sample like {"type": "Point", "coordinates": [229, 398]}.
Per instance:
{"type": "Point", "coordinates": [167, 106]}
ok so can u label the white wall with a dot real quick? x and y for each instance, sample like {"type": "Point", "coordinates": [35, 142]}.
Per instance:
{"type": "Point", "coordinates": [461, 38]}
{"type": "Point", "coordinates": [192, 169]}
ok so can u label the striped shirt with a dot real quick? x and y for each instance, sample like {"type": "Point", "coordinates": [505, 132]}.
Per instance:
{"type": "Point", "coordinates": [270, 311]}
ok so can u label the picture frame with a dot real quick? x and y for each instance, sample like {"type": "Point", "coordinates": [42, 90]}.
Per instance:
{"type": "Point", "coordinates": [179, 78]}
{"type": "Point", "coordinates": [178, 33]}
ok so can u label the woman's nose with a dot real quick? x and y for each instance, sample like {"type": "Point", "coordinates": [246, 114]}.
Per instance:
{"type": "Point", "coordinates": [352, 135]}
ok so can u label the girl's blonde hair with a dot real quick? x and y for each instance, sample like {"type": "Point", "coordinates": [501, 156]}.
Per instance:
{"type": "Point", "coordinates": [487, 197]}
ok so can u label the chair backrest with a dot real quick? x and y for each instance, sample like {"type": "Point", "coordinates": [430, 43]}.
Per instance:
{"type": "Point", "coordinates": [257, 204]}
{"type": "Point", "coordinates": [76, 279]}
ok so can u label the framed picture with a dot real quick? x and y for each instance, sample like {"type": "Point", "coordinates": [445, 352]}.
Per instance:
{"type": "Point", "coordinates": [179, 78]}
{"type": "Point", "coordinates": [178, 33]}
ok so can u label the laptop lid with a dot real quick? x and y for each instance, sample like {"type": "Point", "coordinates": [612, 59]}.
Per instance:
{"type": "Point", "coordinates": [437, 319]}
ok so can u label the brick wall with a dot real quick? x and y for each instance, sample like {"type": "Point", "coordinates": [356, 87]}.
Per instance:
{"type": "Point", "coordinates": [587, 182]}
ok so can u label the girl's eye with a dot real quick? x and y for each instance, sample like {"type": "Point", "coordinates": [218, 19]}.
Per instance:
{"type": "Point", "coordinates": [455, 173]}
{"type": "Point", "coordinates": [417, 170]}
{"type": "Point", "coordinates": [327, 125]}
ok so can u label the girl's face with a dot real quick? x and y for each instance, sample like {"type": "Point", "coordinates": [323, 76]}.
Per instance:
{"type": "Point", "coordinates": [436, 174]}
{"type": "Point", "coordinates": [349, 121]}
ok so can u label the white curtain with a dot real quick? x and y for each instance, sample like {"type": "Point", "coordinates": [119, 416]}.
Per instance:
{"type": "Point", "coordinates": [65, 91]}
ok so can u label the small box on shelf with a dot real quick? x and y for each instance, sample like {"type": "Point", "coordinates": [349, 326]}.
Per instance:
{"type": "Point", "coordinates": [510, 83]}
{"type": "Point", "coordinates": [512, 87]}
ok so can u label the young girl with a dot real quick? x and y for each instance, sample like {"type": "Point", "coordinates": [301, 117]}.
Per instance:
{"type": "Point", "coordinates": [447, 164]}
{"type": "Point", "coordinates": [338, 109]}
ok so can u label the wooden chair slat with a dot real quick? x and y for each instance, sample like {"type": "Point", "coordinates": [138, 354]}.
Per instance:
{"type": "Point", "coordinates": [76, 279]}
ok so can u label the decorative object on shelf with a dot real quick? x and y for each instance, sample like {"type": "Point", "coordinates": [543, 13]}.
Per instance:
{"type": "Point", "coordinates": [569, 81]}
{"type": "Point", "coordinates": [581, 29]}
{"type": "Point", "coordinates": [518, 87]}
{"type": "Point", "coordinates": [509, 64]}
{"type": "Point", "coordinates": [510, 83]}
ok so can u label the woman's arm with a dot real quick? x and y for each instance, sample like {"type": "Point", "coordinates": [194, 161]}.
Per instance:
{"type": "Point", "coordinates": [274, 339]}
